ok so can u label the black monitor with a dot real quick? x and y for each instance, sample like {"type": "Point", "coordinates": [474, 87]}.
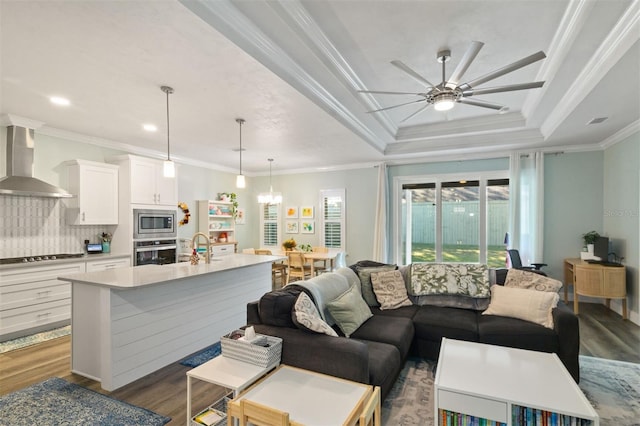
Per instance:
{"type": "Point", "coordinates": [601, 248]}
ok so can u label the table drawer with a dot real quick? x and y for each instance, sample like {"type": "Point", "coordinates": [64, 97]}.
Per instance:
{"type": "Point", "coordinates": [221, 250]}
{"type": "Point", "coordinates": [32, 316]}
{"type": "Point", "coordinates": [473, 405]}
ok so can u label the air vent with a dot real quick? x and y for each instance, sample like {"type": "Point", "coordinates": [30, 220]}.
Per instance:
{"type": "Point", "coordinates": [597, 120]}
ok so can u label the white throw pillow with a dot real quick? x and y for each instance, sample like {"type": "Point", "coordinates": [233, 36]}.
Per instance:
{"type": "Point", "coordinates": [530, 280]}
{"type": "Point", "coordinates": [528, 305]}
{"type": "Point", "coordinates": [390, 289]}
{"type": "Point", "coordinates": [305, 316]}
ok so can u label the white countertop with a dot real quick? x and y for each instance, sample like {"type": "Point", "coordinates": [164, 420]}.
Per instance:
{"type": "Point", "coordinates": [139, 276]}
{"type": "Point", "coordinates": [85, 258]}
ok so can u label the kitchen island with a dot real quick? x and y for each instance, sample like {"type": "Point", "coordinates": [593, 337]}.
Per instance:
{"type": "Point", "coordinates": [129, 322]}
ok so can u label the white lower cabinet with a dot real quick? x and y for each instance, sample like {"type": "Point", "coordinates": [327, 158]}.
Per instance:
{"type": "Point", "coordinates": [33, 299]}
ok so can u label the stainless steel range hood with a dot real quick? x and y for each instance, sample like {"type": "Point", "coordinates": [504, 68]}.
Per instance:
{"type": "Point", "coordinates": [19, 179]}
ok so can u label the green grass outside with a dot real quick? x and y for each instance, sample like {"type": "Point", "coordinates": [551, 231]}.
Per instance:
{"type": "Point", "coordinates": [459, 253]}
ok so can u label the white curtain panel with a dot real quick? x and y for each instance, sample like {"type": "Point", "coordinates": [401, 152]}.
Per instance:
{"type": "Point", "coordinates": [380, 230]}
{"type": "Point", "coordinates": [526, 185]}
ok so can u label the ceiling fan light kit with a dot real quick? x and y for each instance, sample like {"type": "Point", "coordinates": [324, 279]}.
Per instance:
{"type": "Point", "coordinates": [445, 95]}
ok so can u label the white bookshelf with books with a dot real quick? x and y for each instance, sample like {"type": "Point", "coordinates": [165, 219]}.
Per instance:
{"type": "Point", "coordinates": [478, 383]}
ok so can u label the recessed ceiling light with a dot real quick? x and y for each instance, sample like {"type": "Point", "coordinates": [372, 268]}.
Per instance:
{"type": "Point", "coordinates": [150, 127]}
{"type": "Point", "coordinates": [57, 100]}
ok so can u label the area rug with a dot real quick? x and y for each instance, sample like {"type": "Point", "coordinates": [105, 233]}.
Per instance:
{"type": "Point", "coordinates": [22, 342]}
{"type": "Point", "coordinates": [612, 387]}
{"type": "Point", "coordinates": [58, 402]}
{"type": "Point", "coordinates": [203, 356]}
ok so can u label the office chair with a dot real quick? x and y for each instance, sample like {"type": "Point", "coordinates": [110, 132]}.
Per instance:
{"type": "Point", "coordinates": [516, 263]}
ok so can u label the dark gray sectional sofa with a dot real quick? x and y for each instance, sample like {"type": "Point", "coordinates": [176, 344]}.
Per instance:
{"type": "Point", "coordinates": [376, 352]}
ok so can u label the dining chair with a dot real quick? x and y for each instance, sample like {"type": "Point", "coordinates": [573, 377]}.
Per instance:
{"type": "Point", "coordinates": [317, 267]}
{"type": "Point", "coordinates": [277, 268]}
{"type": "Point", "coordinates": [371, 413]}
{"type": "Point", "coordinates": [297, 266]}
{"type": "Point", "coordinates": [249, 251]}
{"type": "Point", "coordinates": [260, 415]}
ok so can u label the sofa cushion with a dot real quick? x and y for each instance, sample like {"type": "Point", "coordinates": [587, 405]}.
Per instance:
{"type": "Point", "coordinates": [434, 323]}
{"type": "Point", "coordinates": [385, 364]}
{"type": "Point", "coordinates": [528, 305]}
{"type": "Point", "coordinates": [305, 316]}
{"type": "Point", "coordinates": [323, 289]}
{"type": "Point", "coordinates": [452, 301]}
{"type": "Point", "coordinates": [516, 333]}
{"type": "Point", "coordinates": [396, 331]}
{"type": "Point", "coordinates": [449, 278]}
{"type": "Point", "coordinates": [404, 312]}
{"type": "Point", "coordinates": [364, 273]}
{"type": "Point", "coordinates": [390, 289]}
{"type": "Point", "coordinates": [275, 307]}
{"type": "Point", "coordinates": [349, 310]}
{"type": "Point", "coordinates": [532, 281]}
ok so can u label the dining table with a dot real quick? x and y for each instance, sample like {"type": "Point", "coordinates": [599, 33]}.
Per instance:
{"type": "Point", "coordinates": [311, 257]}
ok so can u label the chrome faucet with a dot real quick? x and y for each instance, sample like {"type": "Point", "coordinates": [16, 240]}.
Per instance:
{"type": "Point", "coordinates": [207, 257]}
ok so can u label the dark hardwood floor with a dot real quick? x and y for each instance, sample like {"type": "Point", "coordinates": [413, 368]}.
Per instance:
{"type": "Point", "coordinates": [604, 334]}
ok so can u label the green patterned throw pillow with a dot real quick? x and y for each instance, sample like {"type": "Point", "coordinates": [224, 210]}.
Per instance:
{"type": "Point", "coordinates": [467, 279]}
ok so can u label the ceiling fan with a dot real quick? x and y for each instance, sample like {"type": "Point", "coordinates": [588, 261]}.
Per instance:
{"type": "Point", "coordinates": [444, 95]}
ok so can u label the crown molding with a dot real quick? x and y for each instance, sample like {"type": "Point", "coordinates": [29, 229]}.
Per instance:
{"type": "Point", "coordinates": [621, 135]}
{"type": "Point", "coordinates": [225, 17]}
{"type": "Point", "coordinates": [16, 120]}
{"type": "Point", "coordinates": [572, 22]}
{"type": "Point", "coordinates": [467, 126]}
{"type": "Point", "coordinates": [615, 45]}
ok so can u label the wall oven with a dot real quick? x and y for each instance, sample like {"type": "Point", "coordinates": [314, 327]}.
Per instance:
{"type": "Point", "coordinates": [148, 223]}
{"type": "Point", "coordinates": [154, 252]}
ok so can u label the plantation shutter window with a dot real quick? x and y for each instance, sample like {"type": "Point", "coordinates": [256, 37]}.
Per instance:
{"type": "Point", "coordinates": [269, 225]}
{"type": "Point", "coordinates": [332, 218]}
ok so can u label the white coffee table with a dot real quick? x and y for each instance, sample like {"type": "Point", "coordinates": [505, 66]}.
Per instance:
{"type": "Point", "coordinates": [487, 381]}
{"type": "Point", "coordinates": [226, 372]}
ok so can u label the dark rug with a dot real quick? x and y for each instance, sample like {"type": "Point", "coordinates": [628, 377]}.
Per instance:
{"type": "Point", "coordinates": [203, 356]}
{"type": "Point", "coordinates": [57, 402]}
{"type": "Point", "coordinates": [612, 387]}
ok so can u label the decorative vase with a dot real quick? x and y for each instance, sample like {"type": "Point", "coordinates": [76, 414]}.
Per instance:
{"type": "Point", "coordinates": [590, 249]}
{"type": "Point", "coordinates": [106, 246]}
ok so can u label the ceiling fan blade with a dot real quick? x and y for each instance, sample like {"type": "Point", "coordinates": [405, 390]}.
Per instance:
{"type": "Point", "coordinates": [415, 113]}
{"type": "Point", "coordinates": [379, 92]}
{"type": "Point", "coordinates": [466, 60]}
{"type": "Point", "coordinates": [412, 73]}
{"type": "Point", "coordinates": [508, 88]}
{"type": "Point", "coordinates": [504, 70]}
{"type": "Point", "coordinates": [484, 104]}
{"type": "Point", "coordinates": [396, 106]}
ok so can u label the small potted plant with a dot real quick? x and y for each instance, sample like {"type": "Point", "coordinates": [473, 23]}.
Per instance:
{"type": "Point", "coordinates": [289, 244]}
{"type": "Point", "coordinates": [590, 239]}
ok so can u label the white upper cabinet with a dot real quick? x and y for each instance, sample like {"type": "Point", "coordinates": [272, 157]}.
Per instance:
{"type": "Point", "coordinates": [95, 187]}
{"type": "Point", "coordinates": [143, 179]}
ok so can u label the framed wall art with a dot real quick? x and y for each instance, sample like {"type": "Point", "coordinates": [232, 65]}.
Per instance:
{"type": "Point", "coordinates": [308, 227]}
{"type": "Point", "coordinates": [291, 227]}
{"type": "Point", "coordinates": [291, 212]}
{"type": "Point", "coordinates": [306, 212]}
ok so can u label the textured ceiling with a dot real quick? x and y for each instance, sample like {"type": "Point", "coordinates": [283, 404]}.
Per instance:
{"type": "Point", "coordinates": [292, 70]}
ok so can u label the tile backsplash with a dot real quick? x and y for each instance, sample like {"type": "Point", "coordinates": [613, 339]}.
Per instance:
{"type": "Point", "coordinates": [34, 226]}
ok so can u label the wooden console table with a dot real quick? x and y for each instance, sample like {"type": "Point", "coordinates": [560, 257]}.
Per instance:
{"type": "Point", "coordinates": [595, 280]}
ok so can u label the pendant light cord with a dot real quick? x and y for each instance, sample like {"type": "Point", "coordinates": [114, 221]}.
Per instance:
{"type": "Point", "coordinates": [168, 90]}
{"type": "Point", "coordinates": [240, 121]}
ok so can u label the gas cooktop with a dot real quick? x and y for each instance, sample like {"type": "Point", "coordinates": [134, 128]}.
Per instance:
{"type": "Point", "coordinates": [34, 259]}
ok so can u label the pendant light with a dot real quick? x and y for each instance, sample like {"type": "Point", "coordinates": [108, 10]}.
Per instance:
{"type": "Point", "coordinates": [240, 182]}
{"type": "Point", "coordinates": [169, 168]}
{"type": "Point", "coordinates": [270, 197]}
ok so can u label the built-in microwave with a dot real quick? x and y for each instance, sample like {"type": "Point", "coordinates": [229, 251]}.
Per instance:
{"type": "Point", "coordinates": [149, 223]}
